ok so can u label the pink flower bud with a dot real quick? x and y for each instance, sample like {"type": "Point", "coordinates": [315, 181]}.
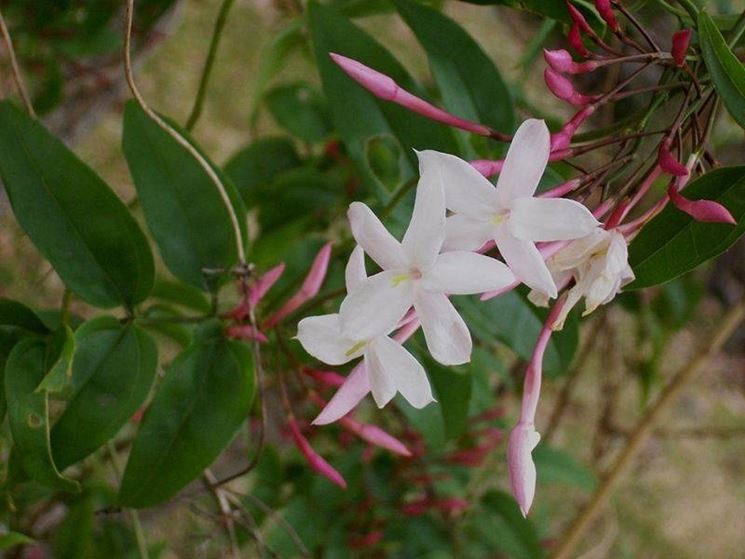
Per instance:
{"type": "Point", "coordinates": [245, 332]}
{"type": "Point", "coordinates": [562, 88]}
{"type": "Point", "coordinates": [311, 286]}
{"type": "Point", "coordinates": [668, 163]}
{"type": "Point", "coordinates": [329, 378]}
{"type": "Point", "coordinates": [314, 459]}
{"type": "Point", "coordinates": [257, 291]}
{"type": "Point", "coordinates": [578, 19]}
{"type": "Point", "coordinates": [375, 436]}
{"type": "Point", "coordinates": [488, 167]}
{"type": "Point", "coordinates": [575, 40]}
{"type": "Point", "coordinates": [707, 211]}
{"type": "Point", "coordinates": [680, 45]}
{"type": "Point", "coordinates": [561, 139]}
{"type": "Point", "coordinates": [606, 12]}
{"type": "Point", "coordinates": [385, 88]}
{"type": "Point", "coordinates": [523, 439]}
{"type": "Point", "coordinates": [561, 61]}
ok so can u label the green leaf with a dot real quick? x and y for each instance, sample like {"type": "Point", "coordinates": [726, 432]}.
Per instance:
{"type": "Point", "coordinates": [255, 166]}
{"type": "Point", "coordinates": [384, 159]}
{"type": "Point", "coordinates": [555, 466]}
{"type": "Point", "coordinates": [8, 340]}
{"type": "Point", "coordinates": [727, 72]}
{"type": "Point", "coordinates": [674, 243]}
{"type": "Point", "coordinates": [200, 405]}
{"type": "Point", "coordinates": [470, 84]}
{"type": "Point", "coordinates": [301, 110]}
{"type": "Point", "coordinates": [12, 539]}
{"type": "Point", "coordinates": [508, 529]}
{"type": "Point", "coordinates": [181, 294]}
{"type": "Point", "coordinates": [182, 206]}
{"type": "Point", "coordinates": [28, 412]}
{"type": "Point", "coordinates": [18, 315]}
{"type": "Point", "coordinates": [514, 321]}
{"type": "Point", "coordinates": [554, 9]}
{"type": "Point", "coordinates": [357, 114]}
{"type": "Point", "coordinates": [113, 371]}
{"type": "Point", "coordinates": [59, 375]}
{"type": "Point", "coordinates": [166, 323]}
{"type": "Point", "coordinates": [73, 537]}
{"type": "Point", "coordinates": [452, 387]}
{"type": "Point", "coordinates": [72, 216]}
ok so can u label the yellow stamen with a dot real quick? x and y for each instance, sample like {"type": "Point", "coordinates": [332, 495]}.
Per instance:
{"type": "Point", "coordinates": [355, 348]}
{"type": "Point", "coordinates": [399, 279]}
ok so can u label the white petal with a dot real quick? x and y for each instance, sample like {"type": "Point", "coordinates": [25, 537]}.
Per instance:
{"type": "Point", "coordinates": [464, 273]}
{"type": "Point", "coordinates": [423, 239]}
{"type": "Point", "coordinates": [550, 219]}
{"type": "Point", "coordinates": [526, 262]}
{"type": "Point", "coordinates": [355, 271]}
{"type": "Point", "coordinates": [447, 336]}
{"type": "Point", "coordinates": [380, 379]}
{"type": "Point", "coordinates": [525, 162]}
{"type": "Point", "coordinates": [374, 238]}
{"type": "Point", "coordinates": [401, 370]}
{"type": "Point", "coordinates": [376, 305]}
{"type": "Point", "coordinates": [321, 337]}
{"type": "Point", "coordinates": [618, 254]}
{"type": "Point", "coordinates": [467, 233]}
{"type": "Point", "coordinates": [578, 252]}
{"type": "Point", "coordinates": [467, 191]}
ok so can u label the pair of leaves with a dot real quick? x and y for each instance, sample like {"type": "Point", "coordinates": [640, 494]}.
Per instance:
{"type": "Point", "coordinates": [72, 216]}
{"type": "Point", "coordinates": [183, 208]}
{"type": "Point", "coordinates": [200, 405]}
{"type": "Point", "coordinates": [674, 243]}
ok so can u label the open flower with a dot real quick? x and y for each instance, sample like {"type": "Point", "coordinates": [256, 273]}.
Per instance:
{"type": "Point", "coordinates": [415, 273]}
{"type": "Point", "coordinates": [600, 268]}
{"type": "Point", "coordinates": [510, 214]}
{"type": "Point", "coordinates": [389, 367]}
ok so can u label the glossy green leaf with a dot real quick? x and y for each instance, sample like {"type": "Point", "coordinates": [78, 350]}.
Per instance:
{"type": "Point", "coordinates": [28, 412]}
{"type": "Point", "coordinates": [514, 321]}
{"type": "Point", "coordinates": [470, 84]}
{"type": "Point", "coordinates": [8, 340]}
{"type": "Point", "coordinates": [165, 320]}
{"type": "Point", "coordinates": [200, 405]}
{"type": "Point", "coordinates": [357, 114]}
{"type": "Point", "coordinates": [727, 71]}
{"type": "Point", "coordinates": [18, 315]}
{"type": "Point", "coordinates": [674, 243]}
{"type": "Point", "coordinates": [513, 534]}
{"type": "Point", "coordinates": [112, 373]}
{"type": "Point", "coordinates": [12, 539]}
{"type": "Point", "coordinates": [254, 167]}
{"type": "Point", "coordinates": [182, 206]}
{"type": "Point", "coordinates": [554, 9]}
{"type": "Point", "coordinates": [181, 294]}
{"type": "Point", "coordinates": [301, 110]}
{"type": "Point", "coordinates": [72, 216]}
{"type": "Point", "coordinates": [62, 347]}
{"type": "Point", "coordinates": [73, 536]}
{"type": "Point", "coordinates": [452, 390]}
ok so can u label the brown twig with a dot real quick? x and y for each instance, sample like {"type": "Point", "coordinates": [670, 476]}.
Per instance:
{"type": "Point", "coordinates": [17, 78]}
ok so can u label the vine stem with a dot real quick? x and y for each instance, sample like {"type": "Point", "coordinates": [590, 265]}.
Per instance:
{"type": "Point", "coordinates": [180, 139]}
{"type": "Point", "coordinates": [644, 430]}
{"type": "Point", "coordinates": [17, 78]}
{"type": "Point", "coordinates": [196, 110]}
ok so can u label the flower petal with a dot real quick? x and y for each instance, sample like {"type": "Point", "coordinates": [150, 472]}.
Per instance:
{"type": "Point", "coordinates": [382, 379]}
{"type": "Point", "coordinates": [355, 387]}
{"type": "Point", "coordinates": [321, 337]}
{"type": "Point", "coordinates": [525, 162]}
{"type": "Point", "coordinates": [550, 219]}
{"type": "Point", "coordinates": [426, 233]}
{"type": "Point", "coordinates": [526, 263]}
{"type": "Point", "coordinates": [406, 374]}
{"type": "Point", "coordinates": [447, 336]}
{"type": "Point", "coordinates": [464, 273]}
{"type": "Point", "coordinates": [374, 238]}
{"type": "Point", "coordinates": [467, 191]}
{"type": "Point", "coordinates": [520, 465]}
{"type": "Point", "coordinates": [466, 233]}
{"type": "Point", "coordinates": [355, 271]}
{"type": "Point", "coordinates": [376, 305]}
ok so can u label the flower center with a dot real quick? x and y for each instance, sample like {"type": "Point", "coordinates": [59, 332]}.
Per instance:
{"type": "Point", "coordinates": [500, 217]}
{"type": "Point", "coordinates": [355, 348]}
{"type": "Point", "coordinates": [413, 275]}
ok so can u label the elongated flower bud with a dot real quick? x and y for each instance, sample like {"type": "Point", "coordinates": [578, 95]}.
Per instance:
{"type": "Point", "coordinates": [668, 163]}
{"type": "Point", "coordinates": [680, 46]}
{"type": "Point", "coordinates": [562, 88]}
{"type": "Point", "coordinates": [707, 211]}
{"type": "Point", "coordinates": [523, 439]}
{"type": "Point", "coordinates": [487, 167]}
{"type": "Point", "coordinates": [386, 88]}
{"type": "Point", "coordinates": [605, 10]}
{"type": "Point", "coordinates": [264, 284]}
{"type": "Point", "coordinates": [245, 332]}
{"type": "Point", "coordinates": [578, 19]}
{"type": "Point", "coordinates": [561, 61]}
{"type": "Point", "coordinates": [375, 436]}
{"type": "Point", "coordinates": [575, 40]}
{"type": "Point", "coordinates": [561, 139]}
{"type": "Point", "coordinates": [311, 286]}
{"type": "Point", "coordinates": [315, 460]}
